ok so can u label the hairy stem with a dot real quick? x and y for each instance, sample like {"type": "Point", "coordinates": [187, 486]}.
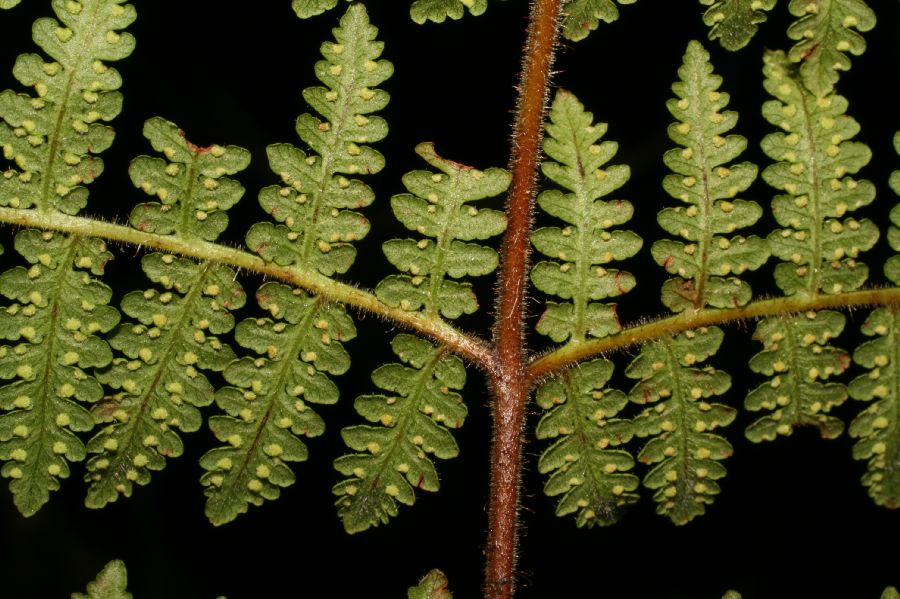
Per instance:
{"type": "Point", "coordinates": [465, 345]}
{"type": "Point", "coordinates": [572, 353]}
{"type": "Point", "coordinates": [508, 382]}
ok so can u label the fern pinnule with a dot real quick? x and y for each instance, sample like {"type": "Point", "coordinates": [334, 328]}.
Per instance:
{"type": "Point", "coordinates": [268, 399]}
{"type": "Point", "coordinates": [685, 453]}
{"type": "Point", "coordinates": [193, 192]}
{"type": "Point", "coordinates": [591, 477]}
{"type": "Point", "coordinates": [317, 200]}
{"type": "Point", "coordinates": [826, 31]}
{"type": "Point", "coordinates": [421, 405]}
{"type": "Point", "coordinates": [735, 22]}
{"type": "Point", "coordinates": [588, 243]}
{"type": "Point", "coordinates": [438, 207]}
{"type": "Point", "coordinates": [706, 267]}
{"type": "Point", "coordinates": [581, 17]}
{"type": "Point", "coordinates": [53, 137]}
{"type": "Point", "coordinates": [58, 311]}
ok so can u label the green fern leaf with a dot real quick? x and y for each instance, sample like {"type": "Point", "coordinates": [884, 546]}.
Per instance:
{"type": "Point", "coordinates": [819, 248]}
{"type": "Point", "coordinates": [734, 22]}
{"type": "Point", "coordinates": [438, 208]}
{"type": "Point", "coordinates": [52, 138]}
{"type": "Point", "coordinates": [826, 33]}
{"type": "Point", "coordinates": [709, 186]}
{"type": "Point", "coordinates": [877, 428]}
{"type": "Point", "coordinates": [317, 200]}
{"type": "Point", "coordinates": [267, 404]}
{"type": "Point", "coordinates": [160, 374]}
{"type": "Point", "coordinates": [5, 4]}
{"type": "Point", "coordinates": [311, 8]}
{"type": "Point", "coordinates": [111, 583]}
{"type": "Point", "coordinates": [415, 415]}
{"type": "Point", "coordinates": [56, 312]}
{"type": "Point", "coordinates": [190, 180]}
{"type": "Point", "coordinates": [686, 454]}
{"type": "Point", "coordinates": [591, 478]}
{"type": "Point", "coordinates": [159, 377]}
{"type": "Point", "coordinates": [580, 17]}
{"type": "Point", "coordinates": [439, 10]}
{"type": "Point", "coordinates": [586, 245]}
{"type": "Point", "coordinates": [890, 593]}
{"type": "Point", "coordinates": [892, 266]}
{"type": "Point", "coordinates": [797, 357]}
{"type": "Point", "coordinates": [432, 586]}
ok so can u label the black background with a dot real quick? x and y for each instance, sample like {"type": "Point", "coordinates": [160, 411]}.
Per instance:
{"type": "Point", "coordinates": [792, 521]}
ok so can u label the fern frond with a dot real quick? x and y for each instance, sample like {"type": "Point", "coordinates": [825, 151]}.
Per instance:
{"type": "Point", "coordinates": [415, 415]}
{"type": "Point", "coordinates": [58, 308]}
{"type": "Point", "coordinates": [826, 33]}
{"type": "Point", "coordinates": [267, 404]}
{"type": "Point", "coordinates": [317, 202]}
{"type": "Point", "coordinates": [439, 10]}
{"type": "Point", "coordinates": [878, 426]}
{"type": "Point", "coordinates": [819, 248]}
{"type": "Point", "coordinates": [708, 185]}
{"type": "Point", "coordinates": [580, 17]}
{"type": "Point", "coordinates": [6, 4]}
{"type": "Point", "coordinates": [158, 379]}
{"type": "Point", "coordinates": [591, 478]}
{"type": "Point", "coordinates": [735, 22]}
{"type": "Point", "coordinates": [52, 138]}
{"type": "Point", "coordinates": [686, 454]}
{"type": "Point", "coordinates": [586, 244]}
{"type": "Point", "coordinates": [438, 208]}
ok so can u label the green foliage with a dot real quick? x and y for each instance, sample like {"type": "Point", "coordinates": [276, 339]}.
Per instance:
{"type": "Point", "coordinates": [438, 208]}
{"type": "Point", "coordinates": [734, 22]}
{"type": "Point", "coordinates": [580, 17]}
{"type": "Point", "coordinates": [190, 184]}
{"type": "Point", "coordinates": [586, 244]}
{"type": "Point", "coordinates": [311, 8]}
{"type": "Point", "coordinates": [423, 404]}
{"type": "Point", "coordinates": [438, 10]}
{"type": "Point", "coordinates": [52, 137]}
{"type": "Point", "coordinates": [317, 202]}
{"type": "Point", "coordinates": [432, 586]}
{"type": "Point", "coordinates": [582, 417]}
{"type": "Point", "coordinates": [819, 248]}
{"type": "Point", "coordinates": [57, 313]}
{"type": "Point", "coordinates": [111, 583]}
{"type": "Point", "coordinates": [58, 309]}
{"type": "Point", "coordinates": [179, 352]}
{"type": "Point", "coordinates": [686, 454]}
{"type": "Point", "coordinates": [827, 30]}
{"type": "Point", "coordinates": [709, 186]}
{"type": "Point", "coordinates": [158, 378]}
{"type": "Point", "coordinates": [267, 404]}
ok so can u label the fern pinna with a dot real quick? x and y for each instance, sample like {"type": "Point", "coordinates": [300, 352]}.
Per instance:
{"type": "Point", "coordinates": [120, 387]}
